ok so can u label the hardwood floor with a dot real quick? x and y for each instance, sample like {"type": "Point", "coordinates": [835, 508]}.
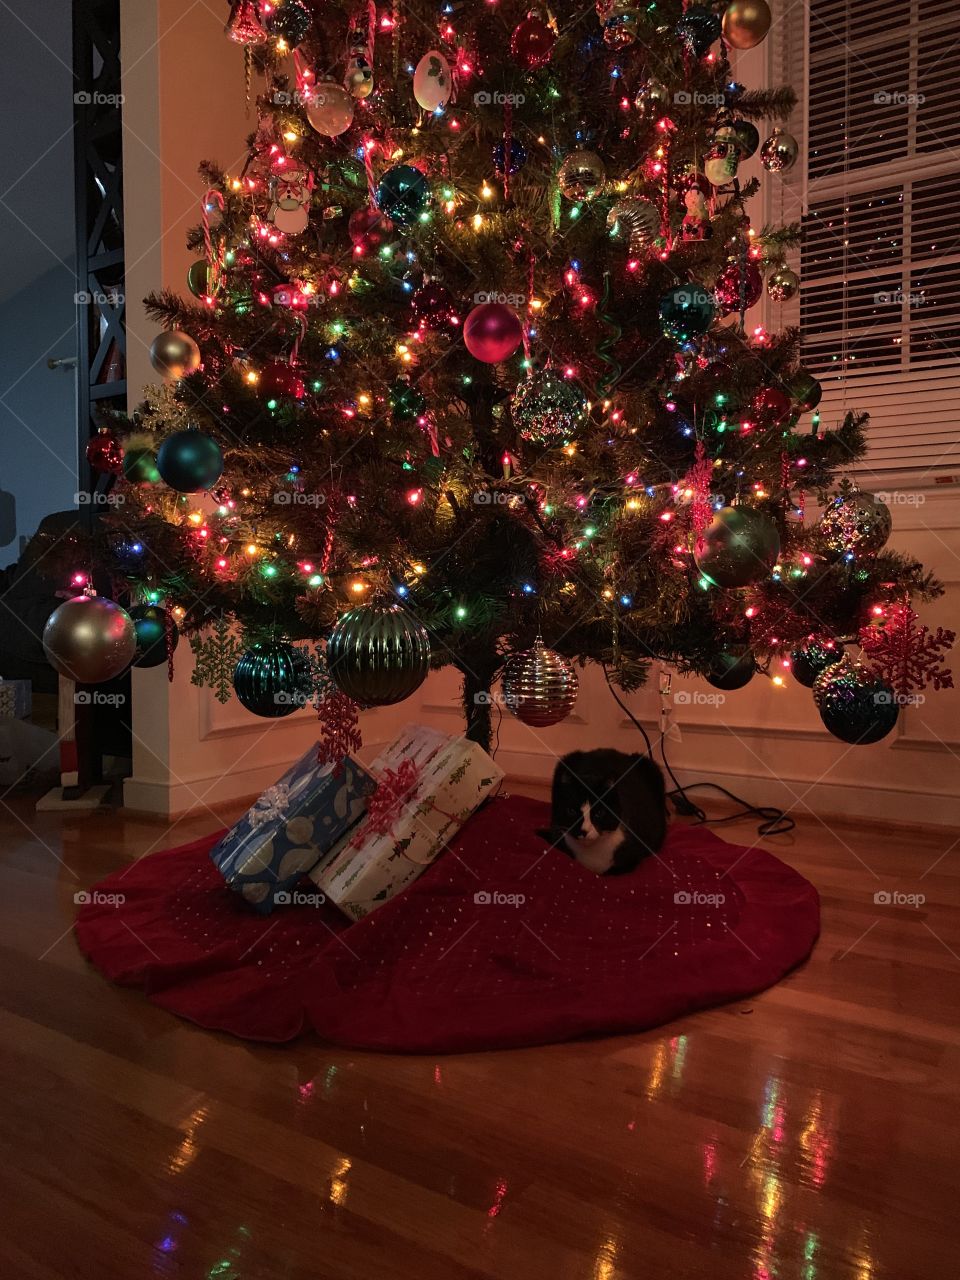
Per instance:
{"type": "Point", "coordinates": [811, 1132]}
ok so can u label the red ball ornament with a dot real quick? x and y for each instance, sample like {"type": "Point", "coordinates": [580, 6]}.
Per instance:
{"type": "Point", "coordinates": [739, 287]}
{"type": "Point", "coordinates": [280, 381]}
{"type": "Point", "coordinates": [367, 229]}
{"type": "Point", "coordinates": [492, 332]}
{"type": "Point", "coordinates": [105, 452]}
{"type": "Point", "coordinates": [532, 43]}
{"type": "Point", "coordinates": [769, 407]}
{"type": "Point", "coordinates": [433, 306]}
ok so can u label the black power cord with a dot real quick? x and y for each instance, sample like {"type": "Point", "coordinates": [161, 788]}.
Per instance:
{"type": "Point", "coordinates": [774, 821]}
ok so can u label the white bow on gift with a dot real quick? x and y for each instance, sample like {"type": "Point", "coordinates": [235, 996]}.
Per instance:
{"type": "Point", "coordinates": [272, 806]}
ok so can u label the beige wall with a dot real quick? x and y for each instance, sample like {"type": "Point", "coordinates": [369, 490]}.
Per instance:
{"type": "Point", "coordinates": [765, 743]}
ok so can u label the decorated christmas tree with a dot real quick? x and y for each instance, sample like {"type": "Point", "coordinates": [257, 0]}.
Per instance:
{"type": "Point", "coordinates": [468, 377]}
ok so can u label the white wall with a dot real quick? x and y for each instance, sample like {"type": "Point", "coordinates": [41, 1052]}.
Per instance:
{"type": "Point", "coordinates": [767, 744]}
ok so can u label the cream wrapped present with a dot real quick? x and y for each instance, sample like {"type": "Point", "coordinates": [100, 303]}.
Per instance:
{"type": "Point", "coordinates": [425, 807]}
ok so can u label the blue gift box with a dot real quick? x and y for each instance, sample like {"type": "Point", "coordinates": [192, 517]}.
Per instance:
{"type": "Point", "coordinates": [291, 827]}
{"type": "Point", "coordinates": [16, 697]}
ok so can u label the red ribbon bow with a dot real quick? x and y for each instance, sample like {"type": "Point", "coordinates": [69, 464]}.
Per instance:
{"type": "Point", "coordinates": [394, 788]}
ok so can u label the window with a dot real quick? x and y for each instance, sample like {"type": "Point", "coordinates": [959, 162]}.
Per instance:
{"type": "Point", "coordinates": [880, 261]}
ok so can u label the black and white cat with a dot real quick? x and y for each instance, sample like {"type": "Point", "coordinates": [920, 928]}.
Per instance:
{"type": "Point", "coordinates": [609, 810]}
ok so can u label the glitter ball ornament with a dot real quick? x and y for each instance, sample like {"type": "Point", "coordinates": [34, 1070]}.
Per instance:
{"type": "Point", "coordinates": [273, 680]}
{"type": "Point", "coordinates": [403, 194]}
{"type": "Point", "coordinates": [739, 547]}
{"type": "Point", "coordinates": [855, 524]}
{"type": "Point", "coordinates": [686, 312]}
{"type": "Point", "coordinates": [634, 221]}
{"type": "Point", "coordinates": [378, 654]}
{"type": "Point", "coordinates": [105, 452]}
{"type": "Point", "coordinates": [769, 407]}
{"type": "Point", "coordinates": [804, 388]}
{"type": "Point", "coordinates": [739, 287]}
{"type": "Point", "coordinates": [174, 354]}
{"type": "Point", "coordinates": [779, 152]}
{"type": "Point", "coordinates": [731, 670]}
{"type": "Point", "coordinates": [812, 658]}
{"type": "Point", "coordinates": [280, 381]}
{"type": "Point", "coordinates": [406, 402]}
{"type": "Point", "coordinates": [189, 461]}
{"type": "Point", "coordinates": [540, 686]}
{"type": "Point", "coordinates": [518, 156]}
{"type": "Point", "coordinates": [532, 43]}
{"type": "Point", "coordinates": [140, 465]}
{"type": "Point", "coordinates": [330, 109]}
{"type": "Point", "coordinates": [433, 306]}
{"type": "Point", "coordinates": [746, 23]}
{"type": "Point", "coordinates": [855, 706]}
{"type": "Point", "coordinates": [783, 284]}
{"type": "Point", "coordinates": [492, 332]}
{"type": "Point", "coordinates": [581, 175]}
{"type": "Point", "coordinates": [547, 408]}
{"type": "Point", "coordinates": [289, 21]}
{"type": "Point", "coordinates": [150, 623]}
{"type": "Point", "coordinates": [698, 28]}
{"type": "Point", "coordinates": [620, 20]}
{"type": "Point", "coordinates": [89, 639]}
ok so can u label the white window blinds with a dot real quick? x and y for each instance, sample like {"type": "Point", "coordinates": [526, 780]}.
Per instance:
{"type": "Point", "coordinates": [880, 261]}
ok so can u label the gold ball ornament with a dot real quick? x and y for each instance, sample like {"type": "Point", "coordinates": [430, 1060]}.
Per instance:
{"type": "Point", "coordinates": [581, 175]}
{"type": "Point", "coordinates": [746, 23]}
{"type": "Point", "coordinates": [174, 354]}
{"type": "Point", "coordinates": [783, 284]}
{"type": "Point", "coordinates": [540, 686]}
{"type": "Point", "coordinates": [89, 639]}
{"type": "Point", "coordinates": [779, 152]}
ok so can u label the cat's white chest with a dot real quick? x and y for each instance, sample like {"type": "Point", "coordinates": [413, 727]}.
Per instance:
{"type": "Point", "coordinates": [596, 853]}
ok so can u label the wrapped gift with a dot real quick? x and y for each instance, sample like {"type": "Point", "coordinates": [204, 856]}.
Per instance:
{"type": "Point", "coordinates": [292, 825]}
{"type": "Point", "coordinates": [16, 699]}
{"type": "Point", "coordinates": [425, 806]}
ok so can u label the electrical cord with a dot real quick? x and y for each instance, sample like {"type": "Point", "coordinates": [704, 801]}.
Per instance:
{"type": "Point", "coordinates": [774, 821]}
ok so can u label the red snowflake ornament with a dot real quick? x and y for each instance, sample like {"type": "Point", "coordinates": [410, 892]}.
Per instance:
{"type": "Point", "coordinates": [907, 657]}
{"type": "Point", "coordinates": [339, 728]}
{"type": "Point", "coordinates": [697, 481]}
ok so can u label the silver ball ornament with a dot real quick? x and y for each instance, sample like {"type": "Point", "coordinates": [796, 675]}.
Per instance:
{"type": "Point", "coordinates": [779, 152]}
{"type": "Point", "coordinates": [174, 354]}
{"type": "Point", "coordinates": [855, 524]}
{"type": "Point", "coordinates": [581, 175]}
{"type": "Point", "coordinates": [89, 639]}
{"type": "Point", "coordinates": [635, 221]}
{"type": "Point", "coordinates": [540, 686]}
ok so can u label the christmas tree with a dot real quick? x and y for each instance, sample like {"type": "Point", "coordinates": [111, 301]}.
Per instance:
{"type": "Point", "coordinates": [469, 339]}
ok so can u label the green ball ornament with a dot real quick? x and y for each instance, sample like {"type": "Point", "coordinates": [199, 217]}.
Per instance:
{"type": "Point", "coordinates": [687, 311]}
{"type": "Point", "coordinates": [855, 524]}
{"type": "Point", "coordinates": [548, 409]}
{"type": "Point", "coordinates": [189, 461]}
{"type": "Point", "coordinates": [403, 194]}
{"type": "Point", "coordinates": [89, 639]}
{"type": "Point", "coordinates": [378, 654]}
{"type": "Point", "coordinates": [811, 659]}
{"type": "Point", "coordinates": [783, 284]}
{"type": "Point", "coordinates": [150, 624]}
{"type": "Point", "coordinates": [739, 547]}
{"type": "Point", "coordinates": [855, 706]}
{"type": "Point", "coordinates": [140, 465]}
{"type": "Point", "coordinates": [804, 388]}
{"type": "Point", "coordinates": [198, 278]}
{"type": "Point", "coordinates": [273, 680]}
{"type": "Point", "coordinates": [730, 670]}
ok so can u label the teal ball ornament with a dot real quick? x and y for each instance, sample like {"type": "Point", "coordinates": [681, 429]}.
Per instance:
{"type": "Point", "coordinates": [854, 705]}
{"type": "Point", "coordinates": [150, 624]}
{"type": "Point", "coordinates": [403, 193]}
{"type": "Point", "coordinates": [740, 546]}
{"type": "Point", "coordinates": [378, 654]}
{"type": "Point", "coordinates": [548, 409]}
{"type": "Point", "coordinates": [190, 461]}
{"type": "Point", "coordinates": [730, 670]}
{"type": "Point", "coordinates": [273, 679]}
{"type": "Point", "coordinates": [812, 658]}
{"type": "Point", "coordinates": [687, 311]}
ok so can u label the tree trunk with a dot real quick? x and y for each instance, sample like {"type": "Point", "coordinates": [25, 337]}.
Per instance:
{"type": "Point", "coordinates": [479, 671]}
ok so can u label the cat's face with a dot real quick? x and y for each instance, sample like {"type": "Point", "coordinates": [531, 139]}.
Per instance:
{"type": "Point", "coordinates": [588, 804]}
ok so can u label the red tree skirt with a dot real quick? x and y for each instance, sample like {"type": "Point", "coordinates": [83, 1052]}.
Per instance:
{"type": "Point", "coordinates": [442, 969]}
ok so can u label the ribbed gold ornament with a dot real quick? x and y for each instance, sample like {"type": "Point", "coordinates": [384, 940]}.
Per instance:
{"type": "Point", "coordinates": [378, 653]}
{"type": "Point", "coordinates": [540, 686]}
